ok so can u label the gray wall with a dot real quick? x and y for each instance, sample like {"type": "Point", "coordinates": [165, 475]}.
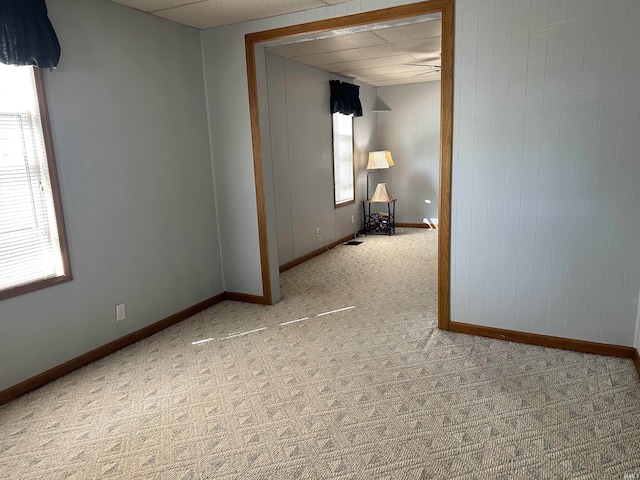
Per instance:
{"type": "Point", "coordinates": [546, 167]}
{"type": "Point", "coordinates": [226, 80]}
{"type": "Point", "coordinates": [637, 340]}
{"type": "Point", "coordinates": [127, 108]}
{"type": "Point", "coordinates": [546, 194]}
{"type": "Point", "coordinates": [302, 156]}
{"type": "Point", "coordinates": [411, 131]}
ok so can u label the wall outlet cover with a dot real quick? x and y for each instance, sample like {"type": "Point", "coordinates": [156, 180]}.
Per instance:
{"type": "Point", "coordinates": [121, 312]}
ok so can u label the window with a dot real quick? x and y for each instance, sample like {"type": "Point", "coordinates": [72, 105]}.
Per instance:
{"type": "Point", "coordinates": [33, 248]}
{"type": "Point", "coordinates": [343, 176]}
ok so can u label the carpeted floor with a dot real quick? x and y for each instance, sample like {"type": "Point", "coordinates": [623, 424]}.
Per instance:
{"type": "Point", "coordinates": [369, 392]}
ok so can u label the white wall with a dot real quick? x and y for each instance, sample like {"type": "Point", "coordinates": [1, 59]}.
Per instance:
{"type": "Point", "coordinates": [546, 194]}
{"type": "Point", "coordinates": [302, 156]}
{"type": "Point", "coordinates": [228, 103]}
{"type": "Point", "coordinates": [411, 131]}
{"type": "Point", "coordinates": [130, 133]}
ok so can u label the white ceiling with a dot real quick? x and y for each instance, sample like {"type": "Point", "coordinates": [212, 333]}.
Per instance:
{"type": "Point", "coordinates": [379, 55]}
{"type": "Point", "coordinates": [214, 13]}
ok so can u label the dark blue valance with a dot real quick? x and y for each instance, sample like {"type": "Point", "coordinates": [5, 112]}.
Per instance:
{"type": "Point", "coordinates": [26, 34]}
{"type": "Point", "coordinates": [345, 98]}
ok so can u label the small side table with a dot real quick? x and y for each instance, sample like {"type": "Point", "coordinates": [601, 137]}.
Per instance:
{"type": "Point", "coordinates": [381, 222]}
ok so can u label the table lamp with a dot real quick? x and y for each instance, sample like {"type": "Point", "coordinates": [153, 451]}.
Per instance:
{"type": "Point", "coordinates": [378, 160]}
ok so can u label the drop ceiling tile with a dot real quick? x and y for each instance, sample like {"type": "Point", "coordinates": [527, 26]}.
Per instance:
{"type": "Point", "coordinates": [215, 13]}
{"type": "Point", "coordinates": [389, 69]}
{"type": "Point", "coordinates": [334, 2]}
{"type": "Point", "coordinates": [151, 5]}
{"type": "Point", "coordinates": [324, 45]}
{"type": "Point", "coordinates": [368, 63]}
{"type": "Point", "coordinates": [427, 57]}
{"type": "Point", "coordinates": [395, 76]}
{"type": "Point", "coordinates": [385, 50]}
{"type": "Point", "coordinates": [423, 46]}
{"type": "Point", "coordinates": [413, 31]}
{"type": "Point", "coordinates": [401, 81]}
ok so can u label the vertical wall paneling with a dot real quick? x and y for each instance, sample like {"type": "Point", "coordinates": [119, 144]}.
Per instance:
{"type": "Point", "coordinates": [548, 172]}
{"type": "Point", "coordinates": [622, 191]}
{"type": "Point", "coordinates": [637, 335]}
{"type": "Point", "coordinates": [558, 174]}
{"type": "Point", "coordinates": [464, 108]}
{"type": "Point", "coordinates": [630, 302]}
{"type": "Point", "coordinates": [516, 100]}
{"type": "Point", "coordinates": [607, 136]}
{"type": "Point", "coordinates": [299, 135]}
{"type": "Point", "coordinates": [632, 265]}
{"type": "Point", "coordinates": [310, 156]}
{"type": "Point", "coordinates": [498, 156]}
{"type": "Point", "coordinates": [454, 160]}
{"type": "Point", "coordinates": [411, 131]}
{"type": "Point", "coordinates": [590, 100]}
{"type": "Point", "coordinates": [534, 94]}
{"type": "Point", "coordinates": [482, 150]}
{"type": "Point", "coordinates": [280, 154]}
{"type": "Point", "coordinates": [567, 163]}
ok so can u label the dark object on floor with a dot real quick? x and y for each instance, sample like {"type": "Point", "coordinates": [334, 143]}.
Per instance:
{"type": "Point", "coordinates": [353, 242]}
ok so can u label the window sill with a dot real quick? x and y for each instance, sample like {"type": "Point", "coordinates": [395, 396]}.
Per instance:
{"type": "Point", "coordinates": [33, 286]}
{"type": "Point", "coordinates": [338, 205]}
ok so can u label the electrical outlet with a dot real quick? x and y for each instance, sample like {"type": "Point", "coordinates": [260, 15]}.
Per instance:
{"type": "Point", "coordinates": [317, 231]}
{"type": "Point", "coordinates": [353, 219]}
{"type": "Point", "coordinates": [121, 312]}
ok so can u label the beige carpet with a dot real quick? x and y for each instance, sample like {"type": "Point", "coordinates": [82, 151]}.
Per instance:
{"type": "Point", "coordinates": [372, 392]}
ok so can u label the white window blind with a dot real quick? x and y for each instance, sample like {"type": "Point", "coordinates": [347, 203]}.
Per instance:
{"type": "Point", "coordinates": [343, 180]}
{"type": "Point", "coordinates": [29, 241]}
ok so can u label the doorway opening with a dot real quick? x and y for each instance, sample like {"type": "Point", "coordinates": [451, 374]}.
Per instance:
{"type": "Point", "coordinates": [266, 229]}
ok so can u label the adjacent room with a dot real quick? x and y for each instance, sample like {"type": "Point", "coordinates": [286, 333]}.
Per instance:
{"type": "Point", "coordinates": [178, 182]}
{"type": "Point", "coordinates": [319, 203]}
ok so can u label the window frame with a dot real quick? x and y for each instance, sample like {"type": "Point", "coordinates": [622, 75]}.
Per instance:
{"type": "Point", "coordinates": [67, 275]}
{"type": "Point", "coordinates": [353, 164]}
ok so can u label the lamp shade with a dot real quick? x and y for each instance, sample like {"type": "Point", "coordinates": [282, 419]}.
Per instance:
{"type": "Point", "coordinates": [380, 159]}
{"type": "Point", "coordinates": [381, 194]}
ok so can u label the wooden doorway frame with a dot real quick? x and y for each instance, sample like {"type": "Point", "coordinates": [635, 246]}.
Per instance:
{"type": "Point", "coordinates": [446, 8]}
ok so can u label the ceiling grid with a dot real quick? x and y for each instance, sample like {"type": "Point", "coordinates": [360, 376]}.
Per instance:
{"type": "Point", "coordinates": [382, 54]}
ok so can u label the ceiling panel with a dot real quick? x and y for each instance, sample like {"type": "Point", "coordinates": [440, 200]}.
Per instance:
{"type": "Point", "coordinates": [425, 45]}
{"type": "Point", "coordinates": [398, 75]}
{"type": "Point", "coordinates": [432, 57]}
{"type": "Point", "coordinates": [385, 50]}
{"type": "Point", "coordinates": [368, 63]}
{"type": "Point", "coordinates": [416, 41]}
{"type": "Point", "coordinates": [411, 32]}
{"type": "Point", "coordinates": [214, 13]}
{"type": "Point", "coordinates": [402, 81]}
{"type": "Point", "coordinates": [402, 70]}
{"type": "Point", "coordinates": [150, 5]}
{"type": "Point", "coordinates": [332, 44]}
{"type": "Point", "coordinates": [376, 54]}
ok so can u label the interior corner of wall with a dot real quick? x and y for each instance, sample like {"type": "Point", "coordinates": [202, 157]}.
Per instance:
{"type": "Point", "coordinates": [636, 344]}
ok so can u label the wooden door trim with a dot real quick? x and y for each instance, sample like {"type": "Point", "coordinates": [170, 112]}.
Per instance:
{"type": "Point", "coordinates": [446, 8]}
